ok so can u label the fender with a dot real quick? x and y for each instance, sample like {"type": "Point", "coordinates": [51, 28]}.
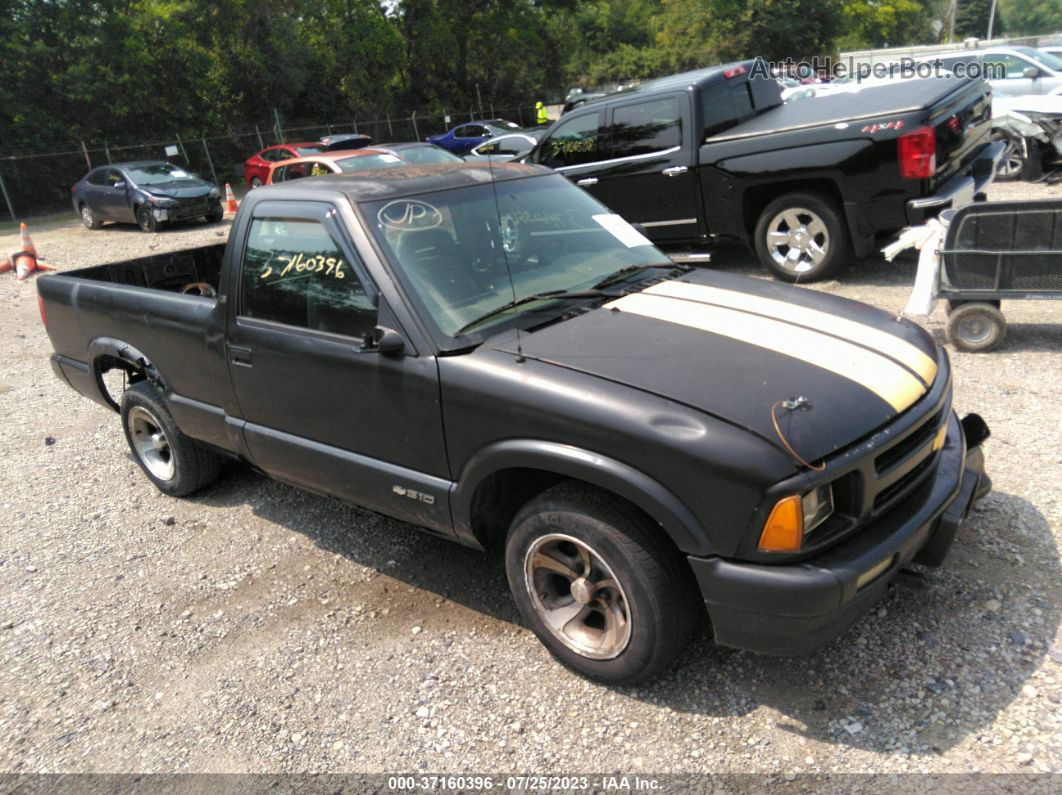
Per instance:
{"type": "Point", "coordinates": [123, 352]}
{"type": "Point", "coordinates": [607, 473]}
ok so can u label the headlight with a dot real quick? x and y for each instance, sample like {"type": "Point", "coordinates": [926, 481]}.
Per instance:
{"type": "Point", "coordinates": [215, 193]}
{"type": "Point", "coordinates": [817, 505]}
{"type": "Point", "coordinates": [162, 201]}
{"type": "Point", "coordinates": [795, 516]}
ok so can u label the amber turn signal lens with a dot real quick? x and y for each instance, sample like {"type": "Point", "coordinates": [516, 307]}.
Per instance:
{"type": "Point", "coordinates": [784, 529]}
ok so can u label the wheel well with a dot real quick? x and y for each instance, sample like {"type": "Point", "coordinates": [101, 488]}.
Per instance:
{"type": "Point", "coordinates": [111, 388]}
{"type": "Point", "coordinates": [501, 495]}
{"type": "Point", "coordinates": [758, 197]}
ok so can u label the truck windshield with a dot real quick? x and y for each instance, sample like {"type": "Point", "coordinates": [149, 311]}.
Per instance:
{"type": "Point", "coordinates": [455, 250]}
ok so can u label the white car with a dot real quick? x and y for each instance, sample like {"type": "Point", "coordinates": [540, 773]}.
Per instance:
{"type": "Point", "coordinates": [1028, 70]}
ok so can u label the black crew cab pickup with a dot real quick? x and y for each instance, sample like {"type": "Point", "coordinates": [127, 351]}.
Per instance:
{"type": "Point", "coordinates": [491, 355]}
{"type": "Point", "coordinates": [808, 184]}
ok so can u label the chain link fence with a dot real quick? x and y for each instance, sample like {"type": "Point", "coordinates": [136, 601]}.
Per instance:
{"type": "Point", "coordinates": [37, 183]}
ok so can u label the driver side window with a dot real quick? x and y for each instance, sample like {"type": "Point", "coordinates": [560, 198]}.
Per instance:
{"type": "Point", "coordinates": [295, 274]}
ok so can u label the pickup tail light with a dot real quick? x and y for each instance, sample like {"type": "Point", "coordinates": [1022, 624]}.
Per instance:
{"type": "Point", "coordinates": [734, 72]}
{"type": "Point", "coordinates": [917, 151]}
{"type": "Point", "coordinates": [40, 306]}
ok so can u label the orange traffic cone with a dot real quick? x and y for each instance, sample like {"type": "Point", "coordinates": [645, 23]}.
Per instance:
{"type": "Point", "coordinates": [5, 263]}
{"type": "Point", "coordinates": [230, 199]}
{"type": "Point", "coordinates": [25, 264]}
{"type": "Point", "coordinates": [27, 244]}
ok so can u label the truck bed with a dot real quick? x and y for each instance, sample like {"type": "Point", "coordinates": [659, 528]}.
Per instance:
{"type": "Point", "coordinates": [171, 271]}
{"type": "Point", "coordinates": [898, 98]}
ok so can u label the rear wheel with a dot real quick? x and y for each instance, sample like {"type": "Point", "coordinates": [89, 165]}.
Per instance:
{"type": "Point", "coordinates": [599, 585]}
{"type": "Point", "coordinates": [801, 237]}
{"type": "Point", "coordinates": [176, 464]}
{"type": "Point", "coordinates": [256, 182]}
{"type": "Point", "coordinates": [976, 327]}
{"type": "Point", "coordinates": [146, 219]}
{"type": "Point", "coordinates": [88, 218]}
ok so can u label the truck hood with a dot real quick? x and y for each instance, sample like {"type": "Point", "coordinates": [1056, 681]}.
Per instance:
{"type": "Point", "coordinates": [736, 347]}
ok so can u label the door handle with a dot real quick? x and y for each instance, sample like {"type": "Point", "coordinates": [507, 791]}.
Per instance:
{"type": "Point", "coordinates": [586, 182]}
{"type": "Point", "coordinates": [240, 355]}
{"type": "Point", "coordinates": [674, 171]}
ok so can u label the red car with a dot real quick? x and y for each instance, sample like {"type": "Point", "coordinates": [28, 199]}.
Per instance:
{"type": "Point", "coordinates": [256, 168]}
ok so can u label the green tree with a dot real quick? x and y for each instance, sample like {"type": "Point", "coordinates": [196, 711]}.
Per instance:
{"type": "Point", "coordinates": [881, 23]}
{"type": "Point", "coordinates": [1030, 17]}
{"type": "Point", "coordinates": [971, 19]}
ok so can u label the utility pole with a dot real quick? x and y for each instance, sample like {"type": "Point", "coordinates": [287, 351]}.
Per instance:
{"type": "Point", "coordinates": [952, 8]}
{"type": "Point", "coordinates": [991, 20]}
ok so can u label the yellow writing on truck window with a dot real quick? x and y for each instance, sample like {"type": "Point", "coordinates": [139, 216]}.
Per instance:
{"type": "Point", "coordinates": [570, 146]}
{"type": "Point", "coordinates": [300, 263]}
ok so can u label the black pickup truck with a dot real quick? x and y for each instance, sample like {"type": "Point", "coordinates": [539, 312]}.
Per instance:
{"type": "Point", "coordinates": [808, 184]}
{"type": "Point", "coordinates": [488, 353]}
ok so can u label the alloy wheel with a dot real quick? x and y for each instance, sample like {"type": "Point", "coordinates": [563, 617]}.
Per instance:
{"type": "Point", "coordinates": [797, 239]}
{"type": "Point", "coordinates": [150, 443]}
{"type": "Point", "coordinates": [576, 595]}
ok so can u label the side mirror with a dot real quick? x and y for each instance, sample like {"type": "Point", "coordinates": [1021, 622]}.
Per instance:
{"type": "Point", "coordinates": [1030, 72]}
{"type": "Point", "coordinates": [384, 340]}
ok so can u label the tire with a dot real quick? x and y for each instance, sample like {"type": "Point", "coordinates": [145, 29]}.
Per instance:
{"type": "Point", "coordinates": [172, 461]}
{"type": "Point", "coordinates": [629, 631]}
{"type": "Point", "coordinates": [88, 218]}
{"type": "Point", "coordinates": [256, 182]}
{"type": "Point", "coordinates": [146, 220]}
{"type": "Point", "coordinates": [1012, 163]}
{"type": "Point", "coordinates": [216, 214]}
{"type": "Point", "coordinates": [976, 327]}
{"type": "Point", "coordinates": [802, 237]}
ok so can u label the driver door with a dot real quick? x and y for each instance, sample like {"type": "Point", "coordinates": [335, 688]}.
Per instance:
{"type": "Point", "coordinates": [322, 409]}
{"type": "Point", "coordinates": [114, 197]}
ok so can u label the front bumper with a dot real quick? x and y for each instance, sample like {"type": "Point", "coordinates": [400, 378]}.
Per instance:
{"type": "Point", "coordinates": [184, 210]}
{"type": "Point", "coordinates": [794, 609]}
{"type": "Point", "coordinates": [961, 189]}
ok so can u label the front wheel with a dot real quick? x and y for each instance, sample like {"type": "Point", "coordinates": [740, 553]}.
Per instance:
{"type": "Point", "coordinates": [217, 212]}
{"type": "Point", "coordinates": [146, 219]}
{"type": "Point", "coordinates": [599, 585]}
{"type": "Point", "coordinates": [172, 461]}
{"type": "Point", "coordinates": [1012, 163]}
{"type": "Point", "coordinates": [801, 237]}
{"type": "Point", "coordinates": [256, 182]}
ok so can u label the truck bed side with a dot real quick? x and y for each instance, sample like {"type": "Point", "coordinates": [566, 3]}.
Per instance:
{"type": "Point", "coordinates": [844, 145]}
{"type": "Point", "coordinates": [131, 315]}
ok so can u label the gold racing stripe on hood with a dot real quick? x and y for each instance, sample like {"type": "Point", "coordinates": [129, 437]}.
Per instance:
{"type": "Point", "coordinates": [885, 378]}
{"type": "Point", "coordinates": [875, 339]}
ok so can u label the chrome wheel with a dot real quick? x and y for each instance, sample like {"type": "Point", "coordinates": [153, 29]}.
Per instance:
{"type": "Point", "coordinates": [256, 182]}
{"type": "Point", "coordinates": [150, 443]}
{"type": "Point", "coordinates": [87, 218]}
{"type": "Point", "coordinates": [575, 593]}
{"type": "Point", "coordinates": [797, 239]}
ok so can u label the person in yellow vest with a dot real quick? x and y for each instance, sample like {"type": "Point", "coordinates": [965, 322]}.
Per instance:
{"type": "Point", "coordinates": [540, 113]}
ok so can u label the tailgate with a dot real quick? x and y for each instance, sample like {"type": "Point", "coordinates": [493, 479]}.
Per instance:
{"type": "Point", "coordinates": [962, 121]}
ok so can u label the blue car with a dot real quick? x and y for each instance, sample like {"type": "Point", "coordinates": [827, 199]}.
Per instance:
{"type": "Point", "coordinates": [462, 138]}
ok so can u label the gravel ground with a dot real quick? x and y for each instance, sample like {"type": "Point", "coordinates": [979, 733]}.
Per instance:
{"type": "Point", "coordinates": [258, 628]}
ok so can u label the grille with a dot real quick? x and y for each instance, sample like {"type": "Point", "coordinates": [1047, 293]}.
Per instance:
{"type": "Point", "coordinates": [887, 460]}
{"type": "Point", "coordinates": [908, 481]}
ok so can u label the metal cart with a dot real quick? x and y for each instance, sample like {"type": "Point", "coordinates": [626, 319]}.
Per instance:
{"type": "Point", "coordinates": [995, 251]}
